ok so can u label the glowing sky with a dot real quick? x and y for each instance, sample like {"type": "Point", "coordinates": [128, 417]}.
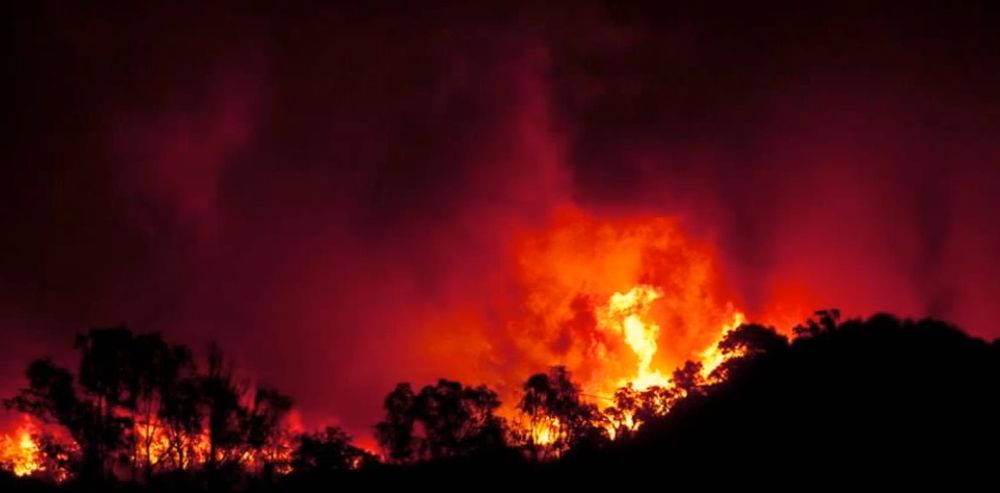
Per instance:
{"type": "Point", "coordinates": [313, 186]}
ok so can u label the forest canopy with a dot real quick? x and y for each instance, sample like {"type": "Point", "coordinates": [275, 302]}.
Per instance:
{"type": "Point", "coordinates": [141, 410]}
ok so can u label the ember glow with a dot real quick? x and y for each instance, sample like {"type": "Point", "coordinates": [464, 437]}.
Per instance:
{"type": "Point", "coordinates": [349, 198]}
{"type": "Point", "coordinates": [617, 301]}
{"type": "Point", "coordinates": [18, 451]}
{"type": "Point", "coordinates": [625, 314]}
{"type": "Point", "coordinates": [545, 431]}
{"type": "Point", "coordinates": [160, 446]}
{"type": "Point", "coordinates": [712, 357]}
{"type": "Point", "coordinates": [620, 300]}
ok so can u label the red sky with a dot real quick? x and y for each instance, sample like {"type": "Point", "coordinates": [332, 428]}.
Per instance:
{"type": "Point", "coordinates": [312, 186]}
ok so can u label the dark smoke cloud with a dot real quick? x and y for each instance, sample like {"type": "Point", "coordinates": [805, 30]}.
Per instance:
{"type": "Point", "coordinates": [308, 185]}
{"type": "Point", "coordinates": [849, 146]}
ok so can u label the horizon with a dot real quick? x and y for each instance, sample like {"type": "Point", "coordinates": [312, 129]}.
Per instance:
{"type": "Point", "coordinates": [346, 197]}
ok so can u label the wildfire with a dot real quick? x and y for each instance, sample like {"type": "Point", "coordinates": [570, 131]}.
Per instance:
{"type": "Point", "coordinates": [625, 314]}
{"type": "Point", "coordinates": [545, 432]}
{"type": "Point", "coordinates": [159, 445]}
{"type": "Point", "coordinates": [18, 451]}
{"type": "Point", "coordinates": [616, 301]}
{"type": "Point", "coordinates": [712, 357]}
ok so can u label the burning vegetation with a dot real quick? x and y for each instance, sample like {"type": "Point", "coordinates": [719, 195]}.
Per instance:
{"type": "Point", "coordinates": [139, 406]}
{"type": "Point", "coordinates": [18, 451]}
{"type": "Point", "coordinates": [627, 318]}
{"type": "Point", "coordinates": [627, 314]}
{"type": "Point", "coordinates": [230, 430]}
{"type": "Point", "coordinates": [618, 303]}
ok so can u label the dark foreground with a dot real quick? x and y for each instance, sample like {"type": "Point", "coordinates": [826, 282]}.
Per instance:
{"type": "Point", "coordinates": [863, 401]}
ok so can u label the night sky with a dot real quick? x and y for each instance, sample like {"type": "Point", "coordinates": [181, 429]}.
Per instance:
{"type": "Point", "coordinates": [309, 185]}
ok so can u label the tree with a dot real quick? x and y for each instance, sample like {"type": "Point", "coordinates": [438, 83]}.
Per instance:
{"type": "Point", "coordinates": [50, 394]}
{"type": "Point", "coordinates": [458, 420]}
{"type": "Point", "coordinates": [112, 410]}
{"type": "Point", "coordinates": [634, 407]}
{"type": "Point", "coordinates": [182, 418]}
{"type": "Point", "coordinates": [264, 436]}
{"type": "Point", "coordinates": [52, 397]}
{"type": "Point", "coordinates": [827, 322]}
{"type": "Point", "coordinates": [161, 372]}
{"type": "Point", "coordinates": [445, 420]}
{"type": "Point", "coordinates": [327, 452]}
{"type": "Point", "coordinates": [395, 433]}
{"type": "Point", "coordinates": [138, 401]}
{"type": "Point", "coordinates": [109, 375]}
{"type": "Point", "coordinates": [220, 397]}
{"type": "Point", "coordinates": [117, 372]}
{"type": "Point", "coordinates": [744, 344]}
{"type": "Point", "coordinates": [751, 340]}
{"type": "Point", "coordinates": [689, 379]}
{"type": "Point", "coordinates": [920, 392]}
{"type": "Point", "coordinates": [558, 418]}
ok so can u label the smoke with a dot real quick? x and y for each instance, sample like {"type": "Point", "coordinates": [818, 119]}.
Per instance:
{"type": "Point", "coordinates": [314, 187]}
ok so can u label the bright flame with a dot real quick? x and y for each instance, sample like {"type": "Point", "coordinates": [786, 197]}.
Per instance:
{"type": "Point", "coordinates": [545, 431]}
{"type": "Point", "coordinates": [712, 357]}
{"type": "Point", "coordinates": [152, 445]}
{"type": "Point", "coordinates": [626, 315]}
{"type": "Point", "coordinates": [18, 451]}
{"type": "Point", "coordinates": [614, 300]}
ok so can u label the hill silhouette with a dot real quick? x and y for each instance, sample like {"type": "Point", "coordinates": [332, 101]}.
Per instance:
{"type": "Point", "coordinates": [881, 398]}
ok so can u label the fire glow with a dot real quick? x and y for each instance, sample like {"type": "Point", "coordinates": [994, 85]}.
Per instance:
{"type": "Point", "coordinates": [621, 303]}
{"type": "Point", "coordinates": [618, 301]}
{"type": "Point", "coordinates": [625, 314]}
{"type": "Point", "coordinates": [18, 451]}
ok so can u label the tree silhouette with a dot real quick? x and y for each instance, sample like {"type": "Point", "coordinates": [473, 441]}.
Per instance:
{"type": "Point", "coordinates": [395, 433]}
{"type": "Point", "coordinates": [688, 378]}
{"type": "Point", "coordinates": [220, 397]}
{"type": "Point", "coordinates": [159, 372]}
{"type": "Point", "coordinates": [557, 416]}
{"type": "Point", "coordinates": [182, 417]}
{"type": "Point", "coordinates": [842, 395]}
{"type": "Point", "coordinates": [263, 435]}
{"type": "Point", "coordinates": [113, 409]}
{"type": "Point", "coordinates": [825, 322]}
{"type": "Point", "coordinates": [445, 420]}
{"type": "Point", "coordinates": [634, 407]}
{"type": "Point", "coordinates": [745, 343]}
{"type": "Point", "coordinates": [876, 397]}
{"type": "Point", "coordinates": [52, 397]}
{"type": "Point", "coordinates": [109, 374]}
{"type": "Point", "coordinates": [328, 451]}
{"type": "Point", "coordinates": [139, 404]}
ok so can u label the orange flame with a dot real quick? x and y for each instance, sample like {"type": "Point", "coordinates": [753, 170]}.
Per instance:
{"type": "Point", "coordinates": [625, 314]}
{"type": "Point", "coordinates": [18, 451]}
{"type": "Point", "coordinates": [614, 300]}
{"type": "Point", "coordinates": [712, 357]}
{"type": "Point", "coordinates": [160, 446]}
{"type": "Point", "coordinates": [618, 301]}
